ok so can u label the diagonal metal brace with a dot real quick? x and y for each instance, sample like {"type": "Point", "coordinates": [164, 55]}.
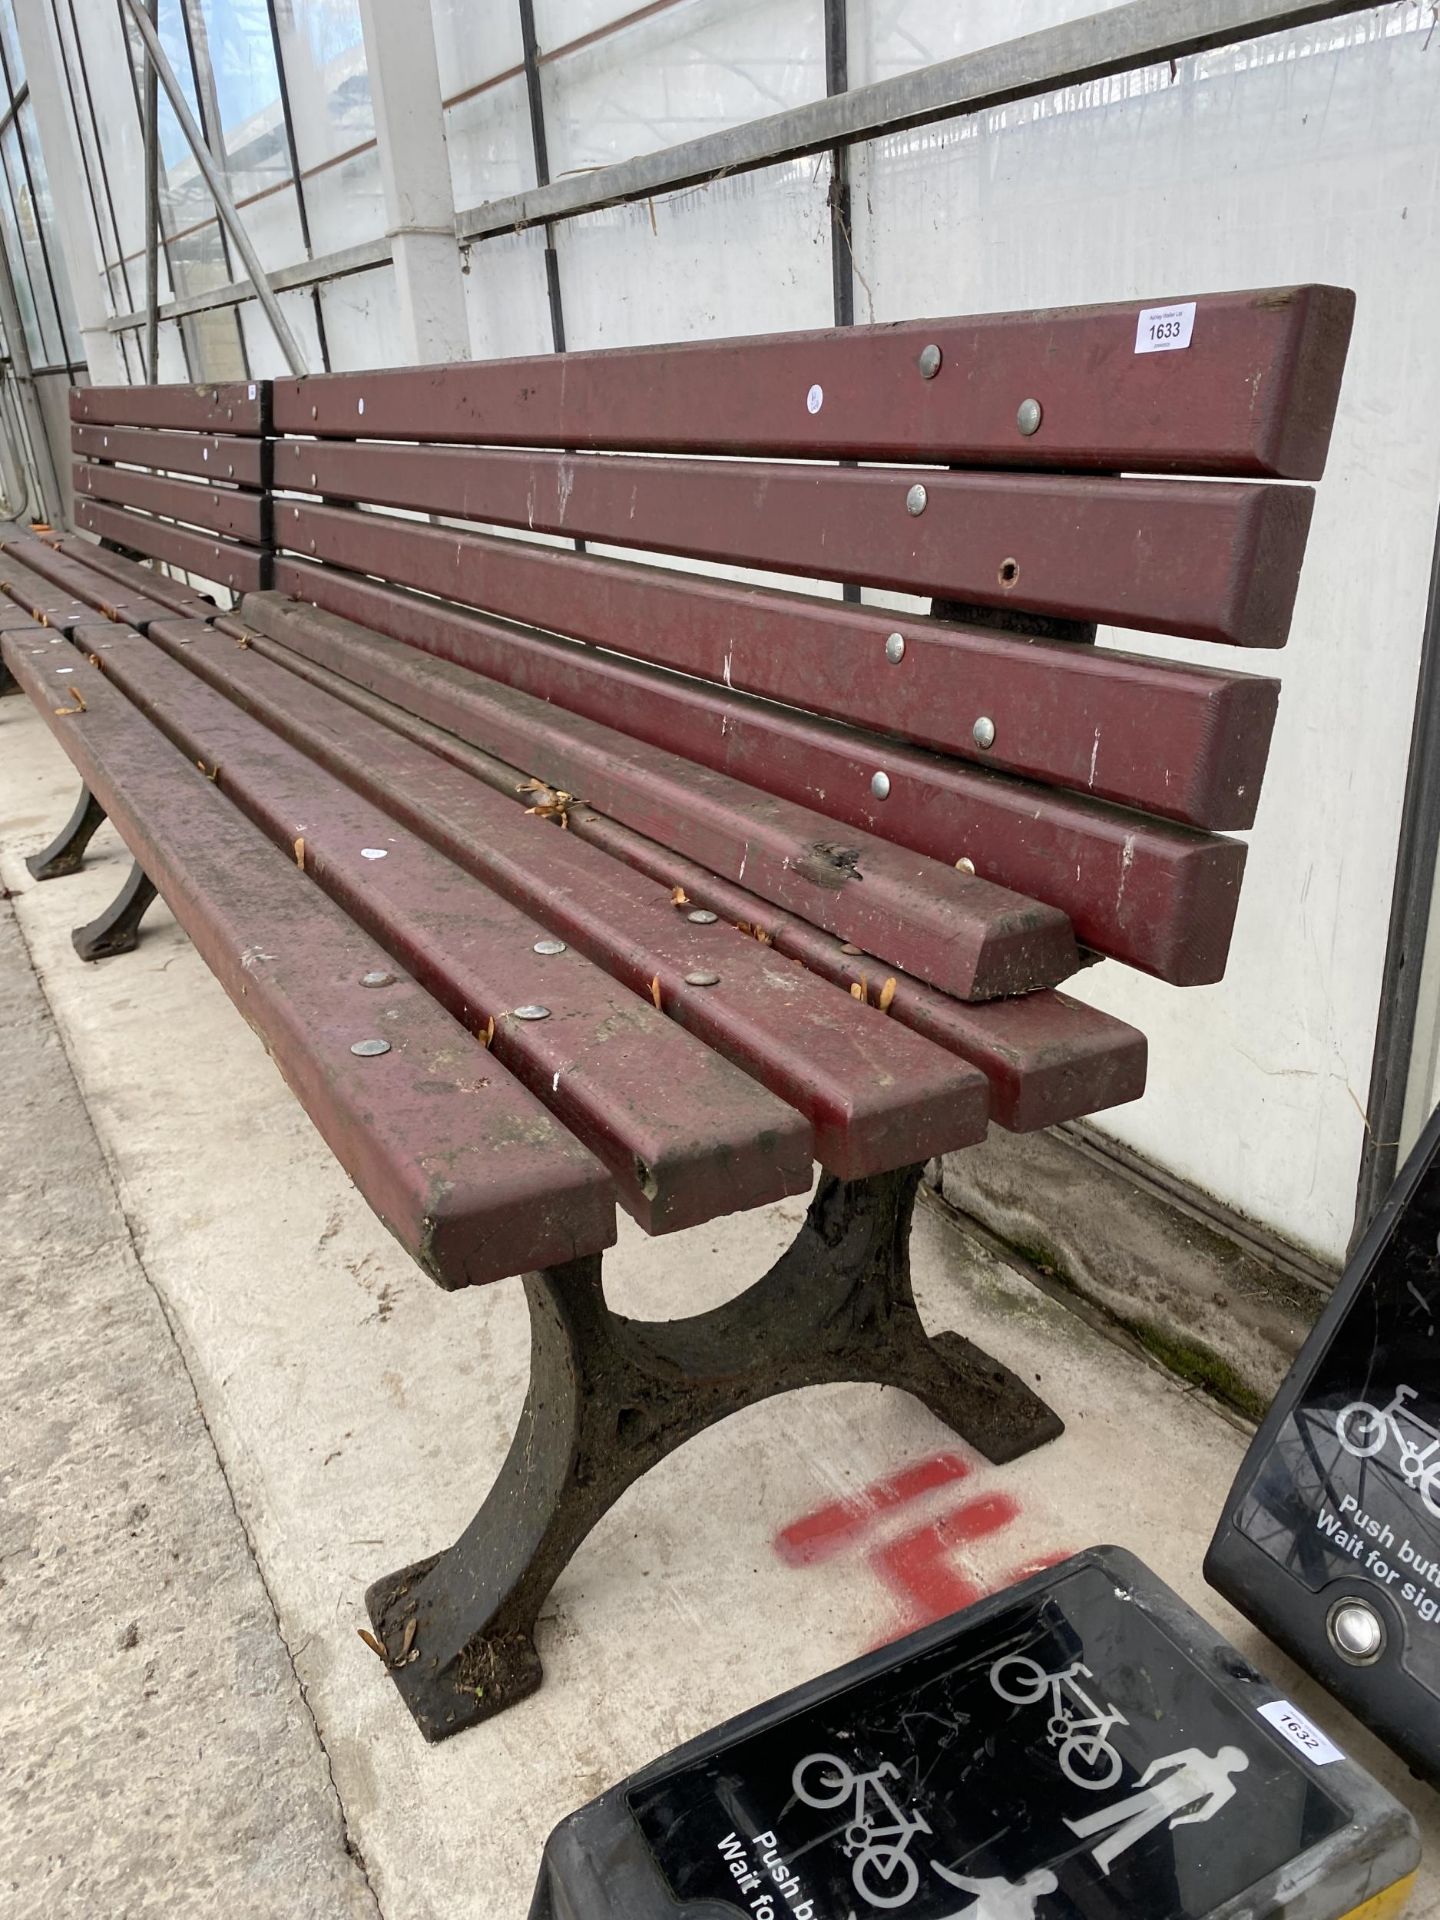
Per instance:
{"type": "Point", "coordinates": [611, 1397]}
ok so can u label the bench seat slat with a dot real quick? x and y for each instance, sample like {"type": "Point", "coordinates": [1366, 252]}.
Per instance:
{"type": "Point", "coordinates": [52, 605]}
{"type": "Point", "coordinates": [33, 566]}
{"type": "Point", "coordinates": [236, 567]}
{"type": "Point", "coordinates": [877, 1098]}
{"type": "Point", "coordinates": [1253, 393]}
{"type": "Point", "coordinates": [974, 940]}
{"type": "Point", "coordinates": [469, 1172]}
{"type": "Point", "coordinates": [685, 1134]}
{"type": "Point", "coordinates": [1188, 743]}
{"type": "Point", "coordinates": [239, 407]}
{"type": "Point", "coordinates": [1047, 1057]}
{"type": "Point", "coordinates": [208, 456]}
{"type": "Point", "coordinates": [1159, 897]}
{"type": "Point", "coordinates": [181, 601]}
{"type": "Point", "coordinates": [1204, 559]}
{"type": "Point", "coordinates": [223, 510]}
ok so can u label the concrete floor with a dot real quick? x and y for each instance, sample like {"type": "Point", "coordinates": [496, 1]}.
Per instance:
{"type": "Point", "coordinates": [228, 1402]}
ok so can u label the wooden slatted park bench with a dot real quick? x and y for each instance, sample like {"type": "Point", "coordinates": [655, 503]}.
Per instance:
{"type": "Point", "coordinates": [555, 877]}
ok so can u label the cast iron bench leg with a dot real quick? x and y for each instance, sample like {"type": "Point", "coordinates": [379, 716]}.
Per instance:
{"type": "Point", "coordinates": [8, 682]}
{"type": "Point", "coordinates": [66, 852]}
{"type": "Point", "coordinates": [610, 1397]}
{"type": "Point", "coordinates": [117, 929]}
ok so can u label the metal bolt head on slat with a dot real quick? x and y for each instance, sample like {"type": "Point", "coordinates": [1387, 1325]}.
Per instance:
{"type": "Point", "coordinates": [916, 500]}
{"type": "Point", "coordinates": [983, 731]}
{"type": "Point", "coordinates": [702, 979]}
{"type": "Point", "coordinates": [549, 946]}
{"type": "Point", "coordinates": [1028, 416]}
{"type": "Point", "coordinates": [880, 785]}
{"type": "Point", "coordinates": [702, 917]}
{"type": "Point", "coordinates": [895, 649]}
{"type": "Point", "coordinates": [929, 361]}
{"type": "Point", "coordinates": [377, 977]}
{"type": "Point", "coordinates": [370, 1049]}
{"type": "Point", "coordinates": [532, 1013]}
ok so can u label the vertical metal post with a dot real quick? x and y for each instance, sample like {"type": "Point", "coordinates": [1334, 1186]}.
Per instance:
{"type": "Point", "coordinates": [22, 369]}
{"type": "Point", "coordinates": [219, 192]}
{"type": "Point", "coordinates": [1410, 905]}
{"type": "Point", "coordinates": [152, 215]}
{"type": "Point", "coordinates": [282, 78]}
{"type": "Point", "coordinates": [842, 271]}
{"type": "Point", "coordinates": [531, 54]}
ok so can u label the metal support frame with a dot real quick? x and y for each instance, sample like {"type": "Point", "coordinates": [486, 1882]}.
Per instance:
{"type": "Point", "coordinates": [150, 120]}
{"type": "Point", "coordinates": [415, 179]}
{"type": "Point", "coordinates": [66, 852]}
{"type": "Point", "coordinates": [610, 1398]}
{"type": "Point", "coordinates": [31, 412]}
{"type": "Point", "coordinates": [219, 191]}
{"type": "Point", "coordinates": [535, 98]}
{"type": "Point", "coordinates": [65, 169]}
{"type": "Point", "coordinates": [117, 929]}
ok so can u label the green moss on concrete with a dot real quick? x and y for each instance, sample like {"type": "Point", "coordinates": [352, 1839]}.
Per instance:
{"type": "Point", "coordinates": [1200, 1365]}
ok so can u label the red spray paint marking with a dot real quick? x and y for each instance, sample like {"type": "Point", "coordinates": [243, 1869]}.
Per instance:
{"type": "Point", "coordinates": [916, 1566]}
{"type": "Point", "coordinates": [824, 1533]}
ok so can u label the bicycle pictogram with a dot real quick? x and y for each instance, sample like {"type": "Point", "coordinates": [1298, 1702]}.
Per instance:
{"type": "Point", "coordinates": [1079, 1726]}
{"type": "Point", "coordinates": [1364, 1430]}
{"type": "Point", "coordinates": [883, 1872]}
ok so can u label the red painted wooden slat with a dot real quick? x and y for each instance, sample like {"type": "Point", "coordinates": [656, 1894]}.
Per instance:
{"type": "Point", "coordinates": [1048, 1058]}
{"type": "Point", "coordinates": [145, 581]}
{"type": "Point", "coordinates": [232, 566]}
{"type": "Point", "coordinates": [685, 1134]}
{"type": "Point", "coordinates": [468, 1171]}
{"type": "Point", "coordinates": [1186, 742]}
{"type": "Point", "coordinates": [877, 1098]}
{"type": "Point", "coordinates": [1254, 392]}
{"type": "Point", "coordinates": [75, 584]}
{"type": "Point", "coordinates": [52, 605]}
{"type": "Point", "coordinates": [970, 938]}
{"type": "Point", "coordinates": [239, 407]}
{"type": "Point", "coordinates": [1210, 561]}
{"type": "Point", "coordinates": [209, 456]}
{"type": "Point", "coordinates": [224, 510]}
{"type": "Point", "coordinates": [1157, 896]}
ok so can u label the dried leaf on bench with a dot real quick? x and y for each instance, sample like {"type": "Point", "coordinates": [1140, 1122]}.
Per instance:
{"type": "Point", "coordinates": [551, 803]}
{"type": "Point", "coordinates": [655, 991]}
{"type": "Point", "coordinates": [375, 1646]}
{"type": "Point", "coordinates": [407, 1640]}
{"type": "Point", "coordinates": [79, 699]}
{"type": "Point", "coordinates": [487, 1033]}
{"type": "Point", "coordinates": [300, 851]}
{"type": "Point", "coordinates": [887, 994]}
{"type": "Point", "coordinates": [679, 897]}
{"type": "Point", "coordinates": [857, 989]}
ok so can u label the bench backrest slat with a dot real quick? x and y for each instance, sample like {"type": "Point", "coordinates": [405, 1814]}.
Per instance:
{"type": "Point", "coordinates": [208, 456]}
{"type": "Point", "coordinates": [240, 407]}
{"type": "Point", "coordinates": [1253, 392]}
{"type": "Point", "coordinates": [1185, 742]}
{"type": "Point", "coordinates": [1210, 561]}
{"type": "Point", "coordinates": [224, 561]}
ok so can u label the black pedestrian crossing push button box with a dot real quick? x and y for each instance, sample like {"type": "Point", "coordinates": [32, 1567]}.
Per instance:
{"type": "Point", "coordinates": [1082, 1747]}
{"type": "Point", "coordinates": [1330, 1539]}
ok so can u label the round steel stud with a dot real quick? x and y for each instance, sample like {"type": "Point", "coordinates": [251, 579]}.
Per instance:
{"type": "Point", "coordinates": [895, 649]}
{"type": "Point", "coordinates": [916, 500]}
{"type": "Point", "coordinates": [880, 785]}
{"type": "Point", "coordinates": [1028, 416]}
{"type": "Point", "coordinates": [1356, 1631]}
{"type": "Point", "coordinates": [929, 361]}
{"type": "Point", "coordinates": [702, 979]}
{"type": "Point", "coordinates": [377, 978]}
{"type": "Point", "coordinates": [532, 1013]}
{"type": "Point", "coordinates": [702, 917]}
{"type": "Point", "coordinates": [983, 731]}
{"type": "Point", "coordinates": [370, 1049]}
{"type": "Point", "coordinates": [549, 946]}
{"type": "Point", "coordinates": [965, 864]}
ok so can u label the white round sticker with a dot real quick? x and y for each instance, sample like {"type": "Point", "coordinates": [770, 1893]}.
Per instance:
{"type": "Point", "coordinates": [815, 399]}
